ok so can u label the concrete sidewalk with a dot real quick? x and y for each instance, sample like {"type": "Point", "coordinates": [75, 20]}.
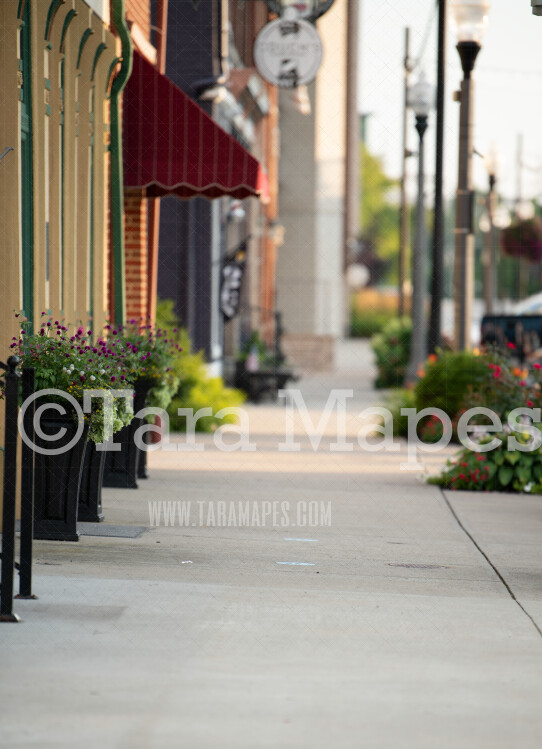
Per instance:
{"type": "Point", "coordinates": [409, 619]}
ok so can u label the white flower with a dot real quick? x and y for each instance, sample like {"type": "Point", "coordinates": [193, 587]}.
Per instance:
{"type": "Point", "coordinates": [102, 371]}
{"type": "Point", "coordinates": [81, 373]}
{"type": "Point", "coordinates": [92, 377]}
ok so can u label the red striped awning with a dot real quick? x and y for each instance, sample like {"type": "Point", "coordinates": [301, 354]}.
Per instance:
{"type": "Point", "coordinates": [171, 146]}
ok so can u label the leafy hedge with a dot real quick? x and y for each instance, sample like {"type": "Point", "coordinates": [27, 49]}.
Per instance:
{"type": "Point", "coordinates": [392, 351]}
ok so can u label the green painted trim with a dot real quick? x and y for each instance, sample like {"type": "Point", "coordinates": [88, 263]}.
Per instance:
{"type": "Point", "coordinates": [62, 165]}
{"type": "Point", "coordinates": [51, 13]}
{"type": "Point", "coordinates": [101, 47]}
{"type": "Point", "coordinates": [49, 46]}
{"type": "Point", "coordinates": [117, 182]}
{"type": "Point", "coordinates": [69, 18]}
{"type": "Point", "coordinates": [27, 175]}
{"type": "Point", "coordinates": [84, 39]}
{"type": "Point", "coordinates": [20, 9]}
{"type": "Point", "coordinates": [47, 84]}
{"type": "Point", "coordinates": [110, 72]}
{"type": "Point", "coordinates": [48, 109]}
{"type": "Point", "coordinates": [91, 196]}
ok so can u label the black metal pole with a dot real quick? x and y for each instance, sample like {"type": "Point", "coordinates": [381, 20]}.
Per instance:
{"type": "Point", "coordinates": [10, 487]}
{"type": "Point", "coordinates": [27, 492]}
{"type": "Point", "coordinates": [438, 217]}
{"type": "Point", "coordinates": [418, 350]}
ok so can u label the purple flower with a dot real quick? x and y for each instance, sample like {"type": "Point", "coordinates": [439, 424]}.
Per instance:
{"type": "Point", "coordinates": [113, 378]}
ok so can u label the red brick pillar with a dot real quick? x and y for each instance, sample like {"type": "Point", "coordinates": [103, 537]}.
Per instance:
{"type": "Point", "coordinates": [136, 254]}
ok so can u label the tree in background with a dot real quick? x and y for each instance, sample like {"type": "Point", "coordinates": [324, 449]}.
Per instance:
{"type": "Point", "coordinates": [379, 241]}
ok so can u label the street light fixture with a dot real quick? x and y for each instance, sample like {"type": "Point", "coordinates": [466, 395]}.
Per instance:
{"type": "Point", "coordinates": [470, 20]}
{"type": "Point", "coordinates": [421, 100]}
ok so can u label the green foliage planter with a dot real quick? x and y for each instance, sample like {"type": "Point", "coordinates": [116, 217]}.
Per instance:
{"type": "Point", "coordinates": [500, 469]}
{"type": "Point", "coordinates": [392, 351]}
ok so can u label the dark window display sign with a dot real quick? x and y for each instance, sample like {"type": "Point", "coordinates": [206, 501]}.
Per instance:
{"type": "Point", "coordinates": [230, 289]}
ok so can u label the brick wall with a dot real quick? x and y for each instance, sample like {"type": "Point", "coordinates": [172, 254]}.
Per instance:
{"type": "Point", "coordinates": [139, 11]}
{"type": "Point", "coordinates": [136, 254]}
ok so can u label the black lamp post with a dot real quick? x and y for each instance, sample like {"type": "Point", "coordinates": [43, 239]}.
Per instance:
{"type": "Point", "coordinates": [437, 280]}
{"type": "Point", "coordinates": [471, 20]}
{"type": "Point", "coordinates": [420, 99]}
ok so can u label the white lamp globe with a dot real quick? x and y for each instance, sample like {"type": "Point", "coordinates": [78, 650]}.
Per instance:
{"type": "Point", "coordinates": [421, 97]}
{"type": "Point", "coordinates": [471, 17]}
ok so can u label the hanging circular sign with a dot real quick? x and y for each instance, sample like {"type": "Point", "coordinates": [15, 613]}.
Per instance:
{"type": "Point", "coordinates": [288, 52]}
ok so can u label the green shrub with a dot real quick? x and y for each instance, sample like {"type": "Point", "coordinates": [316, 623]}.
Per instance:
{"type": "Point", "coordinates": [396, 400]}
{"type": "Point", "coordinates": [447, 380]}
{"type": "Point", "coordinates": [366, 323]}
{"type": "Point", "coordinates": [196, 389]}
{"type": "Point", "coordinates": [207, 392]}
{"type": "Point", "coordinates": [392, 351]}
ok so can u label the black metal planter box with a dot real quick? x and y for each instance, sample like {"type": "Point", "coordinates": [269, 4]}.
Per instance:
{"type": "Point", "coordinates": [57, 479]}
{"type": "Point", "coordinates": [121, 466]}
{"type": "Point", "coordinates": [90, 490]}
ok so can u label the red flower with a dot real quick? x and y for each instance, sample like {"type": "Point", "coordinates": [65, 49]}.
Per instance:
{"type": "Point", "coordinates": [530, 404]}
{"type": "Point", "coordinates": [511, 345]}
{"type": "Point", "coordinates": [536, 365]}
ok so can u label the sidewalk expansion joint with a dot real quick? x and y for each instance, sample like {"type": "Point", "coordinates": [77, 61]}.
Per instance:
{"type": "Point", "coordinates": [488, 560]}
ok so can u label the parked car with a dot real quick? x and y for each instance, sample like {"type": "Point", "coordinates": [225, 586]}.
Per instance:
{"type": "Point", "coordinates": [521, 329]}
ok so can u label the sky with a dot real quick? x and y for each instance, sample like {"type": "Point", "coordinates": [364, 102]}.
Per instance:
{"type": "Point", "coordinates": [507, 90]}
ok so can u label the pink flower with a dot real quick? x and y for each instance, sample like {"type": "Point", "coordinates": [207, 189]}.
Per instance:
{"type": "Point", "coordinates": [511, 345]}
{"type": "Point", "coordinates": [530, 404]}
{"type": "Point", "coordinates": [536, 365]}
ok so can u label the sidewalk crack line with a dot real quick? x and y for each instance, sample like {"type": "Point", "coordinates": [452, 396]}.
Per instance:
{"type": "Point", "coordinates": [488, 560]}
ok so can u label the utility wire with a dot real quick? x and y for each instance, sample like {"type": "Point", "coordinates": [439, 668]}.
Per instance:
{"type": "Point", "coordinates": [416, 62]}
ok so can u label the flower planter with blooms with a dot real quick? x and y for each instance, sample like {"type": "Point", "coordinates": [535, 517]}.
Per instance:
{"type": "Point", "coordinates": [70, 361]}
{"type": "Point", "coordinates": [505, 388]}
{"type": "Point", "coordinates": [149, 355]}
